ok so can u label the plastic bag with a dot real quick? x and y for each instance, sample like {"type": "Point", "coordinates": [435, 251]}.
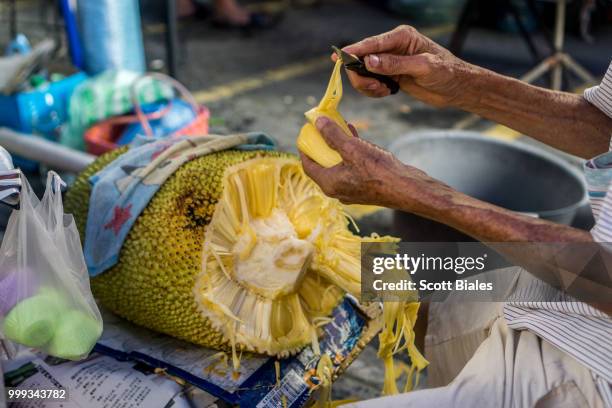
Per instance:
{"type": "Point", "coordinates": [45, 298]}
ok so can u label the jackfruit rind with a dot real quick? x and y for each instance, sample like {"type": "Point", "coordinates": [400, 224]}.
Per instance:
{"type": "Point", "coordinates": [152, 283]}
{"type": "Point", "coordinates": [222, 292]}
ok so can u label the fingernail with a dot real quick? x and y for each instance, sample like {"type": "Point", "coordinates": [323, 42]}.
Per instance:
{"type": "Point", "coordinates": [372, 86]}
{"type": "Point", "coordinates": [374, 60]}
{"type": "Point", "coordinates": [322, 121]}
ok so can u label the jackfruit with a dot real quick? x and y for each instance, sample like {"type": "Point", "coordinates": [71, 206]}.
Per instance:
{"type": "Point", "coordinates": [236, 251]}
{"type": "Point", "coordinates": [309, 141]}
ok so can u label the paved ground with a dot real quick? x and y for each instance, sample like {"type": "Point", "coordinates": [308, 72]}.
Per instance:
{"type": "Point", "coordinates": [220, 61]}
{"type": "Point", "coordinates": [266, 83]}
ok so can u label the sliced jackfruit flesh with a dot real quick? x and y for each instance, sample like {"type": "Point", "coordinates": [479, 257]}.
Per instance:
{"type": "Point", "coordinates": [310, 142]}
{"type": "Point", "coordinates": [277, 257]}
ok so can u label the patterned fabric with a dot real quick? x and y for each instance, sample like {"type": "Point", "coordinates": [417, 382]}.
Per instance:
{"type": "Point", "coordinates": [122, 190]}
{"type": "Point", "coordinates": [573, 327]}
{"type": "Point", "coordinates": [10, 185]}
{"type": "Point", "coordinates": [10, 179]}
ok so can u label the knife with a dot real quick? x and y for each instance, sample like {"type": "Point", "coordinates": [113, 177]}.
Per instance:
{"type": "Point", "coordinates": [352, 63]}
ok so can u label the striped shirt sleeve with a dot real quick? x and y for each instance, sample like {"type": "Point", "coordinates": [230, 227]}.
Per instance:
{"type": "Point", "coordinates": [602, 231]}
{"type": "Point", "coordinates": [574, 327]}
{"type": "Point", "coordinates": [599, 180]}
{"type": "Point", "coordinates": [601, 95]}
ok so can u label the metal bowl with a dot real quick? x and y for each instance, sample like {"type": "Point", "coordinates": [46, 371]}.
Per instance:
{"type": "Point", "coordinates": [515, 176]}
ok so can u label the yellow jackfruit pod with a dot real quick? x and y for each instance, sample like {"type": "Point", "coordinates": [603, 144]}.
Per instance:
{"type": "Point", "coordinates": [237, 250]}
{"type": "Point", "coordinates": [310, 141]}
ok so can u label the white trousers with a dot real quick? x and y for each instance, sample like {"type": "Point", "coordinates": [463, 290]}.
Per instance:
{"type": "Point", "coordinates": [478, 361]}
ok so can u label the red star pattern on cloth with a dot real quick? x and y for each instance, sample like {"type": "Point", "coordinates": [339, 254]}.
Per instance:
{"type": "Point", "coordinates": [120, 216]}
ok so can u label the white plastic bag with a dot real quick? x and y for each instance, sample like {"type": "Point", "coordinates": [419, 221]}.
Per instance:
{"type": "Point", "coordinates": [45, 298]}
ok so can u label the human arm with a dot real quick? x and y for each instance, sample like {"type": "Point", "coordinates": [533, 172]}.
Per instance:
{"type": "Point", "coordinates": [430, 73]}
{"type": "Point", "coordinates": [370, 175]}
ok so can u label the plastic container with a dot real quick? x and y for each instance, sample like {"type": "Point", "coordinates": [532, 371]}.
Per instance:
{"type": "Point", "coordinates": [38, 112]}
{"type": "Point", "coordinates": [41, 110]}
{"type": "Point", "coordinates": [111, 35]}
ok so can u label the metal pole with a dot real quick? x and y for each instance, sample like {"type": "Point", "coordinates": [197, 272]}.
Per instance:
{"type": "Point", "coordinates": [12, 19]}
{"type": "Point", "coordinates": [572, 65]}
{"type": "Point", "coordinates": [523, 30]}
{"type": "Point", "coordinates": [463, 26]}
{"type": "Point", "coordinates": [171, 37]}
{"type": "Point", "coordinates": [559, 37]}
{"type": "Point", "coordinates": [44, 151]}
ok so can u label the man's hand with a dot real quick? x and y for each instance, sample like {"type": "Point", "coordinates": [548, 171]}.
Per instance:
{"type": "Point", "coordinates": [423, 68]}
{"type": "Point", "coordinates": [433, 75]}
{"type": "Point", "coordinates": [367, 173]}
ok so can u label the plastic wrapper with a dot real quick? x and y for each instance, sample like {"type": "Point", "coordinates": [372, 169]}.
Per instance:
{"type": "Point", "coordinates": [45, 299]}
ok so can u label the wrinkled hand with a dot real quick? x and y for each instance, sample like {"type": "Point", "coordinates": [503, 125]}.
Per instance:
{"type": "Point", "coordinates": [424, 69]}
{"type": "Point", "coordinates": [367, 173]}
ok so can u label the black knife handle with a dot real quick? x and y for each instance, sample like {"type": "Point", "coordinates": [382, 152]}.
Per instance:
{"type": "Point", "coordinates": [363, 71]}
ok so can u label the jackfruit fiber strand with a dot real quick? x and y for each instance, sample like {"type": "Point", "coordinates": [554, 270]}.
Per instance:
{"type": "Point", "coordinates": [324, 373]}
{"type": "Point", "coordinates": [310, 142]}
{"type": "Point", "coordinates": [238, 250]}
{"type": "Point", "coordinates": [360, 211]}
{"type": "Point", "coordinates": [282, 251]}
{"type": "Point", "coordinates": [396, 336]}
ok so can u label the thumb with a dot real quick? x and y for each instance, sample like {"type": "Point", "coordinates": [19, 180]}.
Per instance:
{"type": "Point", "coordinates": [392, 64]}
{"type": "Point", "coordinates": [333, 134]}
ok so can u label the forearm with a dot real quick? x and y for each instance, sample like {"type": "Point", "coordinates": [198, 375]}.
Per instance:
{"type": "Point", "coordinates": [545, 249]}
{"type": "Point", "coordinates": [559, 119]}
{"type": "Point", "coordinates": [551, 252]}
{"type": "Point", "coordinates": [483, 221]}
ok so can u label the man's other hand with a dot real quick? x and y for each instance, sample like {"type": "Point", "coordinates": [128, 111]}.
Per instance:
{"type": "Point", "coordinates": [367, 173]}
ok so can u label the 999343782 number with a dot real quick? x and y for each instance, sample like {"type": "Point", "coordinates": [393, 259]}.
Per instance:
{"type": "Point", "coordinates": [19, 394]}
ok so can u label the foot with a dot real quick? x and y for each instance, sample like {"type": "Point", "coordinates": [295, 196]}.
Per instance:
{"type": "Point", "coordinates": [185, 8]}
{"type": "Point", "coordinates": [233, 15]}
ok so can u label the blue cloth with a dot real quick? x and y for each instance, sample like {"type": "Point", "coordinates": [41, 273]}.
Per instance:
{"type": "Point", "coordinates": [179, 115]}
{"type": "Point", "coordinates": [123, 189]}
